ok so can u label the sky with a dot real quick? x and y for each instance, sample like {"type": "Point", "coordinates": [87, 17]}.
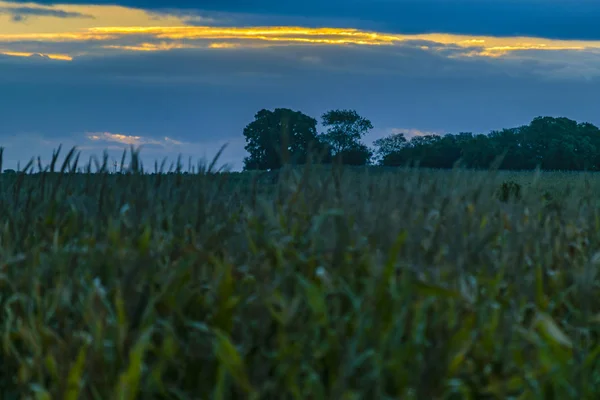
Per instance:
{"type": "Point", "coordinates": [184, 78]}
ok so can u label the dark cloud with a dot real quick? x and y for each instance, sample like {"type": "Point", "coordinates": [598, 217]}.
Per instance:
{"type": "Point", "coordinates": [565, 19]}
{"type": "Point", "coordinates": [22, 13]}
{"type": "Point", "coordinates": [281, 66]}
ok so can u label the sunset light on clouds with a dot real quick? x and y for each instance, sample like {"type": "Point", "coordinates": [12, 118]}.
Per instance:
{"type": "Point", "coordinates": [198, 75]}
{"type": "Point", "coordinates": [108, 28]}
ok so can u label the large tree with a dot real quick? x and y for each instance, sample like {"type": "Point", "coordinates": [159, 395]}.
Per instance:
{"type": "Point", "coordinates": [389, 144]}
{"type": "Point", "coordinates": [279, 137]}
{"type": "Point", "coordinates": [345, 128]}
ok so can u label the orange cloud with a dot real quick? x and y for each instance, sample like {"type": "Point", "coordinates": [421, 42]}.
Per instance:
{"type": "Point", "coordinates": [484, 46]}
{"type": "Point", "coordinates": [63, 57]}
{"type": "Point", "coordinates": [130, 139]}
{"type": "Point", "coordinates": [125, 29]}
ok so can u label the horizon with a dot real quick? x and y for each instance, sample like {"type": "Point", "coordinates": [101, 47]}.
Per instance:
{"type": "Point", "coordinates": [70, 159]}
{"type": "Point", "coordinates": [177, 79]}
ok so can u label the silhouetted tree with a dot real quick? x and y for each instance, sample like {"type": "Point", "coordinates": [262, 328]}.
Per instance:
{"type": "Point", "coordinates": [286, 136]}
{"type": "Point", "coordinates": [345, 128]}
{"type": "Point", "coordinates": [477, 152]}
{"type": "Point", "coordinates": [390, 144]}
{"type": "Point", "coordinates": [360, 154]}
{"type": "Point", "coordinates": [278, 137]}
{"type": "Point", "coordinates": [547, 142]}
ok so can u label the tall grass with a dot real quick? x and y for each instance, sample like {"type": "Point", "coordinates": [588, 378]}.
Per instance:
{"type": "Point", "coordinates": [326, 283]}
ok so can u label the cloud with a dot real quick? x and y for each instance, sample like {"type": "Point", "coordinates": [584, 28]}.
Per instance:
{"type": "Point", "coordinates": [126, 139]}
{"type": "Point", "coordinates": [19, 149]}
{"type": "Point", "coordinates": [19, 14]}
{"type": "Point", "coordinates": [580, 56]}
{"type": "Point", "coordinates": [186, 17]}
{"type": "Point", "coordinates": [250, 68]}
{"type": "Point", "coordinates": [34, 57]}
{"type": "Point", "coordinates": [115, 31]}
{"type": "Point", "coordinates": [559, 19]}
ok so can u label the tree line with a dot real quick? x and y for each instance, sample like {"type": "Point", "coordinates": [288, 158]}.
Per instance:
{"type": "Point", "coordinates": [284, 136]}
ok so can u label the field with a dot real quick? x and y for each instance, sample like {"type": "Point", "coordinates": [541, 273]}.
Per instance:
{"type": "Point", "coordinates": [328, 283]}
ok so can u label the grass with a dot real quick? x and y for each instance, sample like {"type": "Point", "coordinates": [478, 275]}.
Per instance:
{"type": "Point", "coordinates": [337, 283]}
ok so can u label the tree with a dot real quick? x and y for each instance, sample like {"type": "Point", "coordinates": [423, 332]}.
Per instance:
{"type": "Point", "coordinates": [389, 144]}
{"type": "Point", "coordinates": [279, 137]}
{"type": "Point", "coordinates": [425, 150]}
{"type": "Point", "coordinates": [360, 154]}
{"type": "Point", "coordinates": [478, 152]}
{"type": "Point", "coordinates": [345, 128]}
{"type": "Point", "coordinates": [548, 142]}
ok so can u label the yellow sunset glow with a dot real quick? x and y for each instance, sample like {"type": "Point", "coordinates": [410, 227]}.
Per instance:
{"type": "Point", "coordinates": [101, 16]}
{"type": "Point", "coordinates": [130, 139]}
{"type": "Point", "coordinates": [109, 28]}
{"type": "Point", "coordinates": [63, 57]}
{"type": "Point", "coordinates": [151, 47]}
{"type": "Point", "coordinates": [115, 137]}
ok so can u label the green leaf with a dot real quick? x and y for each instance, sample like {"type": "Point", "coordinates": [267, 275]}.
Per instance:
{"type": "Point", "coordinates": [461, 343]}
{"type": "Point", "coordinates": [430, 290]}
{"type": "Point", "coordinates": [540, 297]}
{"type": "Point", "coordinates": [393, 255]}
{"type": "Point", "coordinates": [229, 358]}
{"type": "Point", "coordinates": [223, 317]}
{"type": "Point", "coordinates": [122, 324]}
{"type": "Point", "coordinates": [316, 300]}
{"type": "Point", "coordinates": [551, 331]}
{"type": "Point", "coordinates": [51, 366]}
{"type": "Point", "coordinates": [129, 381]}
{"type": "Point", "coordinates": [500, 388]}
{"type": "Point", "coordinates": [592, 357]}
{"type": "Point", "coordinates": [75, 375]}
{"type": "Point", "coordinates": [144, 240]}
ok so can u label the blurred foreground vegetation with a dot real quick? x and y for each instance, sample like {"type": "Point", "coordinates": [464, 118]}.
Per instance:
{"type": "Point", "coordinates": [312, 283]}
